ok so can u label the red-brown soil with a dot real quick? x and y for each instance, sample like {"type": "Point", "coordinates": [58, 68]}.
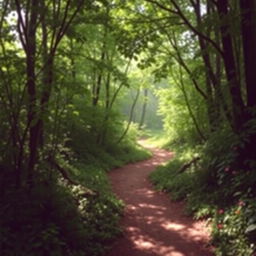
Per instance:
{"type": "Point", "coordinates": [153, 225]}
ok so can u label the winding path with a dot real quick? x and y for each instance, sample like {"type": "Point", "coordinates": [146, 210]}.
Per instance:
{"type": "Point", "coordinates": [153, 225]}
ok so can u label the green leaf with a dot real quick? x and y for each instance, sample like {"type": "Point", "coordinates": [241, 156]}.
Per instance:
{"type": "Point", "coordinates": [250, 229]}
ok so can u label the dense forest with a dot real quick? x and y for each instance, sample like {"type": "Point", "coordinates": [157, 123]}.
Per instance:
{"type": "Point", "coordinates": [80, 81]}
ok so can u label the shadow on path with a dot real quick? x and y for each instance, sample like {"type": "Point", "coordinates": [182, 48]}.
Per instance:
{"type": "Point", "coordinates": [152, 223]}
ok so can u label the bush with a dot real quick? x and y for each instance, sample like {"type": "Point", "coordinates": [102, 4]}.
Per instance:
{"type": "Point", "coordinates": [169, 179]}
{"type": "Point", "coordinates": [232, 232]}
{"type": "Point", "coordinates": [58, 220]}
{"type": "Point", "coordinates": [217, 189]}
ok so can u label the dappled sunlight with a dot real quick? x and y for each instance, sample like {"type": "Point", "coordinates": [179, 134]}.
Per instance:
{"type": "Point", "coordinates": [152, 206]}
{"type": "Point", "coordinates": [145, 143]}
{"type": "Point", "coordinates": [146, 243]}
{"type": "Point", "coordinates": [132, 229]}
{"type": "Point", "coordinates": [153, 225]}
{"type": "Point", "coordinates": [162, 154]}
{"type": "Point", "coordinates": [160, 224]}
{"type": "Point", "coordinates": [155, 163]}
{"type": "Point", "coordinates": [172, 226]}
{"type": "Point", "coordinates": [143, 244]}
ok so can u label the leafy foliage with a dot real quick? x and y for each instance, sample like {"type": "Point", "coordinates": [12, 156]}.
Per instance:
{"type": "Point", "coordinates": [68, 69]}
{"type": "Point", "coordinates": [216, 190]}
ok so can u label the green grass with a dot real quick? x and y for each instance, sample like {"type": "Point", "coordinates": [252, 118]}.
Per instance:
{"type": "Point", "coordinates": [168, 178]}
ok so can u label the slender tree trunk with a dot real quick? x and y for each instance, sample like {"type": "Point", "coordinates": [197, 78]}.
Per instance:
{"type": "Point", "coordinates": [72, 60]}
{"type": "Point", "coordinates": [107, 101]}
{"type": "Point", "coordinates": [144, 109]}
{"type": "Point", "coordinates": [231, 67]}
{"type": "Point", "coordinates": [130, 117]}
{"type": "Point", "coordinates": [198, 129]}
{"type": "Point", "coordinates": [97, 88]}
{"type": "Point", "coordinates": [103, 134]}
{"type": "Point", "coordinates": [218, 87]}
{"type": "Point", "coordinates": [31, 89]}
{"type": "Point", "coordinates": [211, 79]}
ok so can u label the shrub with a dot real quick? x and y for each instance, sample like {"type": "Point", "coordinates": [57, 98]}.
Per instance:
{"type": "Point", "coordinates": [217, 188]}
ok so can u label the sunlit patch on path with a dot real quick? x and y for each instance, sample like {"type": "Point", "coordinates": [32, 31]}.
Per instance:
{"type": "Point", "coordinates": [152, 224]}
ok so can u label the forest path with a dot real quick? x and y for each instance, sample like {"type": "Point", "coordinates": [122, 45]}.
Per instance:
{"type": "Point", "coordinates": [153, 225]}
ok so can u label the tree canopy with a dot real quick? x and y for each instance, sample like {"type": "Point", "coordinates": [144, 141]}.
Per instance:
{"type": "Point", "coordinates": [79, 80]}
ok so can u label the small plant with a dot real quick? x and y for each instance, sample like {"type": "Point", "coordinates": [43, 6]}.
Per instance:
{"type": "Point", "coordinates": [231, 230]}
{"type": "Point", "coordinates": [217, 189]}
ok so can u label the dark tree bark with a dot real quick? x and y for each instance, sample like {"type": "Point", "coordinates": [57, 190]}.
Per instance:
{"type": "Point", "coordinates": [97, 86]}
{"type": "Point", "coordinates": [29, 19]}
{"type": "Point", "coordinates": [248, 29]}
{"type": "Point", "coordinates": [212, 80]}
{"type": "Point", "coordinates": [104, 129]}
{"type": "Point", "coordinates": [31, 88]}
{"type": "Point", "coordinates": [98, 82]}
{"type": "Point", "coordinates": [48, 57]}
{"type": "Point", "coordinates": [248, 32]}
{"type": "Point", "coordinates": [231, 68]}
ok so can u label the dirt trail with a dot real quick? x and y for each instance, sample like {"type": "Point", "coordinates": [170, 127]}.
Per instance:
{"type": "Point", "coordinates": [152, 224]}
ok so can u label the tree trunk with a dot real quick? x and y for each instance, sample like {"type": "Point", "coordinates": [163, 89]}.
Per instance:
{"type": "Point", "coordinates": [104, 129]}
{"type": "Point", "coordinates": [97, 88]}
{"type": "Point", "coordinates": [211, 79]}
{"type": "Point", "coordinates": [130, 117]}
{"type": "Point", "coordinates": [248, 31]}
{"type": "Point", "coordinates": [231, 67]}
{"type": "Point", "coordinates": [248, 25]}
{"type": "Point", "coordinates": [31, 89]}
{"type": "Point", "coordinates": [182, 86]}
{"type": "Point", "coordinates": [144, 108]}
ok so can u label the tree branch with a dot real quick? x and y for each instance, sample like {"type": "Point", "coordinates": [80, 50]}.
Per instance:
{"type": "Point", "coordinates": [184, 65]}
{"type": "Point", "coordinates": [182, 87]}
{"type": "Point", "coordinates": [182, 62]}
{"type": "Point", "coordinates": [66, 23]}
{"type": "Point", "coordinates": [196, 31]}
{"type": "Point", "coordinates": [4, 11]}
{"type": "Point", "coordinates": [162, 6]}
{"type": "Point", "coordinates": [187, 165]}
{"type": "Point", "coordinates": [21, 25]}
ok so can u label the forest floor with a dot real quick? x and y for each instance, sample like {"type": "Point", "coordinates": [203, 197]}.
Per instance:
{"type": "Point", "coordinates": [152, 224]}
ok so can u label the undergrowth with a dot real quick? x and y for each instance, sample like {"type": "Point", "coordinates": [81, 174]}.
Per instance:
{"type": "Point", "coordinates": [78, 216]}
{"type": "Point", "coordinates": [217, 189]}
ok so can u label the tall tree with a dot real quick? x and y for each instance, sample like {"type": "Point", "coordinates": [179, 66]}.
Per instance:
{"type": "Point", "coordinates": [31, 17]}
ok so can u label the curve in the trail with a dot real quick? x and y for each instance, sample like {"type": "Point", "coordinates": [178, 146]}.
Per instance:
{"type": "Point", "coordinates": [153, 225]}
